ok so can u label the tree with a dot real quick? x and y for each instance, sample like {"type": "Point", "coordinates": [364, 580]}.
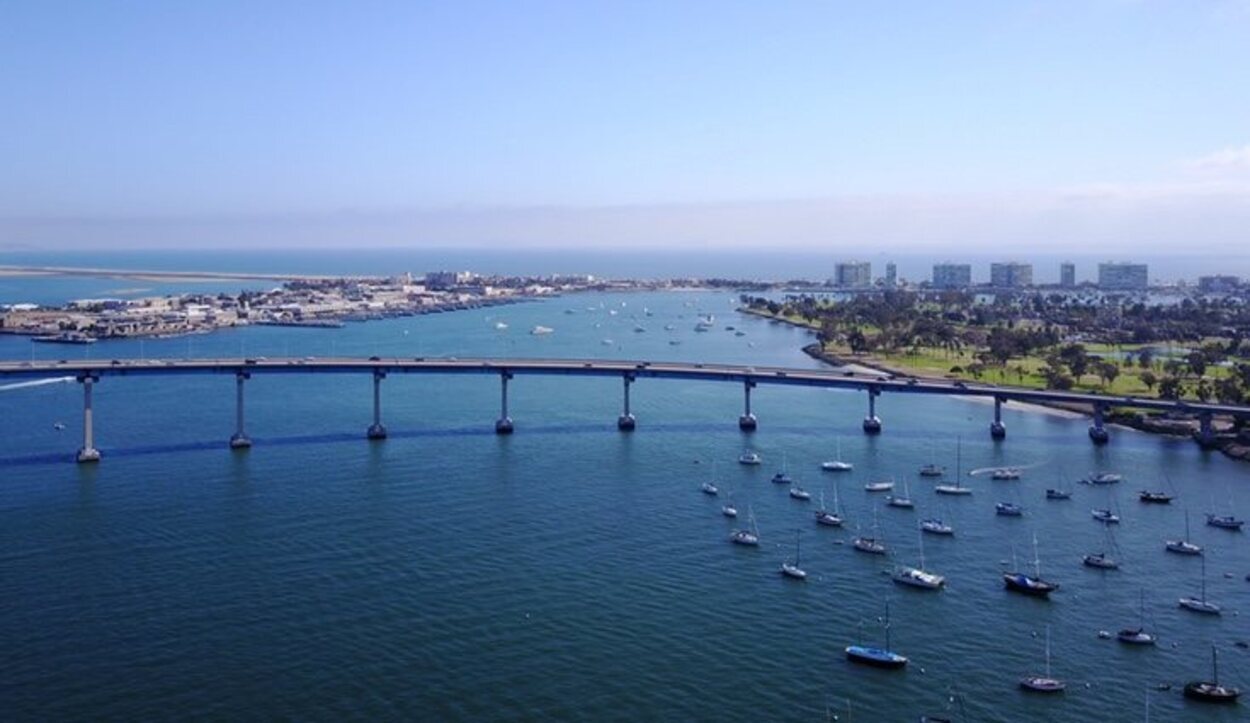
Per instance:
{"type": "Point", "coordinates": [1228, 392]}
{"type": "Point", "coordinates": [1171, 388]}
{"type": "Point", "coordinates": [1145, 357]}
{"type": "Point", "coordinates": [1108, 371]}
{"type": "Point", "coordinates": [1074, 357]}
{"type": "Point", "coordinates": [1197, 362]}
{"type": "Point", "coordinates": [1203, 390]}
{"type": "Point", "coordinates": [857, 341]}
{"type": "Point", "coordinates": [1149, 379]}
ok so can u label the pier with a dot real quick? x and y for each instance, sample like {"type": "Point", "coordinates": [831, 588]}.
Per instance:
{"type": "Point", "coordinates": [91, 373]}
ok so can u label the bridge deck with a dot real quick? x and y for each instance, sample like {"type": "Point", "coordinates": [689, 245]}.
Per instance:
{"type": "Point", "coordinates": [587, 367]}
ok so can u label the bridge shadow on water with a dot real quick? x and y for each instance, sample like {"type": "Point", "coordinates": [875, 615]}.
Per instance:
{"type": "Point", "coordinates": [355, 437]}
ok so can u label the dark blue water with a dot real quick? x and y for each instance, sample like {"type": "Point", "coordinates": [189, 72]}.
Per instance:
{"type": "Point", "coordinates": [568, 571]}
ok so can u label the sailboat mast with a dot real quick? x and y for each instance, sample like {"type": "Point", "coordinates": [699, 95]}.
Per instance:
{"type": "Point", "coordinates": [1047, 651]}
{"type": "Point", "coordinates": [1037, 561]}
{"type": "Point", "coordinates": [1215, 666]}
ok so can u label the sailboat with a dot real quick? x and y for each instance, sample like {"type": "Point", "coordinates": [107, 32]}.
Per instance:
{"type": "Point", "coordinates": [1226, 522]}
{"type": "Point", "coordinates": [1210, 691]}
{"type": "Point", "coordinates": [935, 526]}
{"type": "Point", "coordinates": [824, 516]}
{"type": "Point", "coordinates": [871, 545]}
{"type": "Point", "coordinates": [782, 477]}
{"type": "Point", "coordinates": [837, 464]}
{"type": "Point", "coordinates": [1105, 516]}
{"type": "Point", "coordinates": [1033, 584]}
{"type": "Point", "coordinates": [749, 536]}
{"type": "Point", "coordinates": [1138, 635]}
{"type": "Point", "coordinates": [917, 576]}
{"type": "Point", "coordinates": [1200, 604]}
{"type": "Point", "coordinates": [750, 458]}
{"type": "Point", "coordinates": [1103, 560]}
{"type": "Point", "coordinates": [956, 488]}
{"type": "Point", "coordinates": [877, 657]}
{"type": "Point", "coordinates": [793, 570]}
{"type": "Point", "coordinates": [932, 469]}
{"type": "Point", "coordinates": [1043, 683]}
{"type": "Point", "coordinates": [729, 509]}
{"type": "Point", "coordinates": [1183, 547]}
{"type": "Point", "coordinates": [1008, 509]}
{"type": "Point", "coordinates": [905, 501]}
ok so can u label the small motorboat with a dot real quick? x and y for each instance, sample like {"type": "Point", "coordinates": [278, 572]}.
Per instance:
{"type": "Point", "coordinates": [932, 470]}
{"type": "Point", "coordinates": [781, 478]}
{"type": "Point", "coordinates": [1006, 474]}
{"type": "Point", "coordinates": [750, 458]}
{"type": "Point", "coordinates": [1008, 509]}
{"type": "Point", "coordinates": [1103, 478]}
{"type": "Point", "coordinates": [934, 526]}
{"type": "Point", "coordinates": [1156, 498]}
{"type": "Point", "coordinates": [1053, 494]}
{"type": "Point", "coordinates": [1105, 516]}
{"type": "Point", "coordinates": [709, 489]}
{"type": "Point", "coordinates": [799, 493]}
{"type": "Point", "coordinates": [884, 486]}
{"type": "Point", "coordinates": [836, 465]}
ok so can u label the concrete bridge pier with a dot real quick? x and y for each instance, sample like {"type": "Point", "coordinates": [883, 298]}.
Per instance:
{"type": "Point", "coordinates": [872, 423]}
{"type": "Point", "coordinates": [504, 424]}
{"type": "Point", "coordinates": [1097, 432]}
{"type": "Point", "coordinates": [88, 453]}
{"type": "Point", "coordinates": [377, 430]}
{"type": "Point", "coordinates": [998, 430]}
{"type": "Point", "coordinates": [1206, 433]}
{"type": "Point", "coordinates": [626, 421]}
{"type": "Point", "coordinates": [239, 440]}
{"type": "Point", "coordinates": [747, 421]}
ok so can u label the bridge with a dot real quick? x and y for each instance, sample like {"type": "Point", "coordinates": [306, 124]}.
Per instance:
{"type": "Point", "coordinates": [88, 373]}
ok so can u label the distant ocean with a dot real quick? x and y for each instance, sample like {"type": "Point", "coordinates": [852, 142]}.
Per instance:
{"type": "Point", "coordinates": [618, 263]}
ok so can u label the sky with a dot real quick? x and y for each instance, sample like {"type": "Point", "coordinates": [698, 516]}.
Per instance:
{"type": "Point", "coordinates": [1055, 125]}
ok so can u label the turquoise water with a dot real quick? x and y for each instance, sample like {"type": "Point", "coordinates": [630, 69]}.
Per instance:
{"type": "Point", "coordinates": [569, 571]}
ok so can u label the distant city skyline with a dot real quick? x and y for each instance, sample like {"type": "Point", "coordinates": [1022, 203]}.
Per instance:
{"type": "Point", "coordinates": [1103, 125]}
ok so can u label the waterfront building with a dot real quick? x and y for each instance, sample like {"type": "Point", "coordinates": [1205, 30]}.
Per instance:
{"type": "Point", "coordinates": [852, 274]}
{"type": "Point", "coordinates": [1067, 274]}
{"type": "Point", "coordinates": [1218, 284]}
{"type": "Point", "coordinates": [1011, 274]}
{"type": "Point", "coordinates": [1122, 276]}
{"type": "Point", "coordinates": [891, 275]}
{"type": "Point", "coordinates": [439, 280]}
{"type": "Point", "coordinates": [952, 276]}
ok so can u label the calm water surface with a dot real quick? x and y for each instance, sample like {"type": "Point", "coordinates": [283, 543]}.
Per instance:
{"type": "Point", "coordinates": [570, 571]}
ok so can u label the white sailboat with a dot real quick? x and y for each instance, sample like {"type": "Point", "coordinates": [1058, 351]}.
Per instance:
{"type": "Point", "coordinates": [1200, 604]}
{"type": "Point", "coordinates": [956, 488]}
{"type": "Point", "coordinates": [837, 464]}
{"type": "Point", "coordinates": [824, 516]}
{"type": "Point", "coordinates": [1183, 547]}
{"type": "Point", "coordinates": [1043, 683]}
{"type": "Point", "coordinates": [917, 576]}
{"type": "Point", "coordinates": [792, 570]}
{"type": "Point", "coordinates": [872, 545]}
{"type": "Point", "coordinates": [749, 536]}
{"type": "Point", "coordinates": [1138, 635]}
{"type": "Point", "coordinates": [903, 501]}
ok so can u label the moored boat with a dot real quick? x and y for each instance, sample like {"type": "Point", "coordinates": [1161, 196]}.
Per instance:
{"type": "Point", "coordinates": [1211, 691]}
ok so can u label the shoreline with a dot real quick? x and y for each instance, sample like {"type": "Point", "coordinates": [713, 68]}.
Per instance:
{"type": "Point", "coordinates": [1176, 428]}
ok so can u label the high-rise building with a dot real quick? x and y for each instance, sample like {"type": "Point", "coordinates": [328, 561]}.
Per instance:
{"type": "Point", "coordinates": [1067, 274]}
{"type": "Point", "coordinates": [1219, 284]}
{"type": "Point", "coordinates": [952, 276]}
{"type": "Point", "coordinates": [1122, 276]}
{"type": "Point", "coordinates": [891, 275]}
{"type": "Point", "coordinates": [852, 274]}
{"type": "Point", "coordinates": [1011, 274]}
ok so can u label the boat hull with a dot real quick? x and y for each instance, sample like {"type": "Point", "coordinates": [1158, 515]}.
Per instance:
{"type": "Point", "coordinates": [875, 657]}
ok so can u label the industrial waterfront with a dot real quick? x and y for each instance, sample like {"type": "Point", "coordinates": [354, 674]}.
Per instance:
{"type": "Point", "coordinates": [570, 568]}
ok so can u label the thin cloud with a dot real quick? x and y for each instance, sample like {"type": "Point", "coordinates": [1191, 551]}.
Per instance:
{"type": "Point", "coordinates": [1231, 158]}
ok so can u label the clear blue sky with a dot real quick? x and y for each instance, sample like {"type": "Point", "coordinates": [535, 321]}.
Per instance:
{"type": "Point", "coordinates": [531, 121]}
